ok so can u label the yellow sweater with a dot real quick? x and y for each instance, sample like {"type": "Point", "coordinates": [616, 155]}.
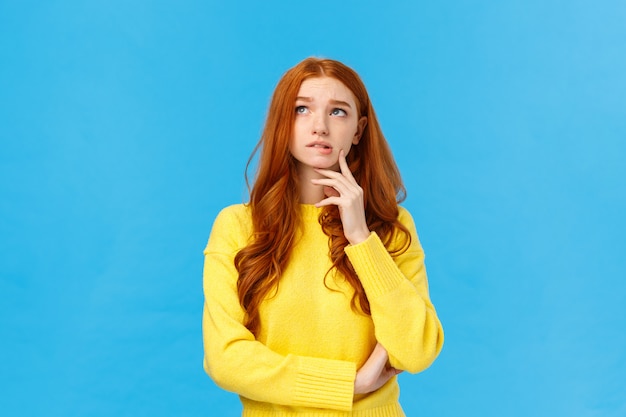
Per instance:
{"type": "Point", "coordinates": [311, 342]}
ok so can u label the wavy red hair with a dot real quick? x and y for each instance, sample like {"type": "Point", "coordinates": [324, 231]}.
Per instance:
{"type": "Point", "coordinates": [275, 198]}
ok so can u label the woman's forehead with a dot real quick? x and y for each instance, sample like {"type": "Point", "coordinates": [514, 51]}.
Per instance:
{"type": "Point", "coordinates": [325, 88]}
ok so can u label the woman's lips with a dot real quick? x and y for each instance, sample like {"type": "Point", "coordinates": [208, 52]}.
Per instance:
{"type": "Point", "coordinates": [321, 147]}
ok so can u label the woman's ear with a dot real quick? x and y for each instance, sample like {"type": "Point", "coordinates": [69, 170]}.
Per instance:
{"type": "Point", "coordinates": [360, 128]}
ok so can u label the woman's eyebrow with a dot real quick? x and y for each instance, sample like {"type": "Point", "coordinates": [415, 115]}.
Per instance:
{"type": "Point", "coordinates": [333, 102]}
{"type": "Point", "coordinates": [341, 103]}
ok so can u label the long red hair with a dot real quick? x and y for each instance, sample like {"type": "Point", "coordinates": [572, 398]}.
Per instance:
{"type": "Point", "coordinates": [275, 197]}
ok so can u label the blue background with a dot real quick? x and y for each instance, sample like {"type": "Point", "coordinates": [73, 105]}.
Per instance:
{"type": "Point", "coordinates": [126, 125]}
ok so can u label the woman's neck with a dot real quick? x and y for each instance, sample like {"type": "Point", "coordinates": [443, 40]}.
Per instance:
{"type": "Point", "coordinates": [309, 193]}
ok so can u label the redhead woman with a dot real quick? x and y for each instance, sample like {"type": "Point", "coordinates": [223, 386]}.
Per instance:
{"type": "Point", "coordinates": [316, 293]}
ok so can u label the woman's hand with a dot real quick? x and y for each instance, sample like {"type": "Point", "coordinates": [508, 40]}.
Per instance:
{"type": "Point", "coordinates": [375, 372]}
{"type": "Point", "coordinates": [342, 190]}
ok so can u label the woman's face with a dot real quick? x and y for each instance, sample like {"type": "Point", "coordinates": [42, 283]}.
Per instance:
{"type": "Point", "coordinates": [327, 121]}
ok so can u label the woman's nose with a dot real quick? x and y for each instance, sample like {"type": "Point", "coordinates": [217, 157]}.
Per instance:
{"type": "Point", "coordinates": [320, 127]}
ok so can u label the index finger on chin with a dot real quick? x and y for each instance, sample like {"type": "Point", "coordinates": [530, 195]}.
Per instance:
{"type": "Point", "coordinates": [343, 163]}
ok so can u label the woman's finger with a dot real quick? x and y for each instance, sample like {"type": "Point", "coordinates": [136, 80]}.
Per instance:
{"type": "Point", "coordinates": [343, 165]}
{"type": "Point", "coordinates": [343, 174]}
{"type": "Point", "coordinates": [329, 201]}
{"type": "Point", "coordinates": [331, 174]}
{"type": "Point", "coordinates": [340, 186]}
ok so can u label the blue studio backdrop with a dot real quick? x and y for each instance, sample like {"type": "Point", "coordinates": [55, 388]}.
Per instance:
{"type": "Point", "coordinates": [125, 126]}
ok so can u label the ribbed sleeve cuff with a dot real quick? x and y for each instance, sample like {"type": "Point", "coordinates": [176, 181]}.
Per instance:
{"type": "Point", "coordinates": [376, 269]}
{"type": "Point", "coordinates": [324, 383]}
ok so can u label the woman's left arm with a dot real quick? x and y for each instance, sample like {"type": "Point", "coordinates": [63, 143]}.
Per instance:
{"type": "Point", "coordinates": [405, 320]}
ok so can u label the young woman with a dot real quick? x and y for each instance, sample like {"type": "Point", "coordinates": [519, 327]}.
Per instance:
{"type": "Point", "coordinates": [316, 294]}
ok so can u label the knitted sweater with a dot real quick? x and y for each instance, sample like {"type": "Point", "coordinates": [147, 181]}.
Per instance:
{"type": "Point", "coordinates": [311, 342]}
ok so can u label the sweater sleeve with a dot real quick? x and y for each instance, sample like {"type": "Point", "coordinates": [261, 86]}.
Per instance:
{"type": "Point", "coordinates": [405, 320]}
{"type": "Point", "coordinates": [237, 362]}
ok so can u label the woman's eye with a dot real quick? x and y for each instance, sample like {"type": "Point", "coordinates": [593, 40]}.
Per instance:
{"type": "Point", "coordinates": [338, 112]}
{"type": "Point", "coordinates": [301, 109]}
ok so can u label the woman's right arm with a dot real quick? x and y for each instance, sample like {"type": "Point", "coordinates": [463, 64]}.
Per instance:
{"type": "Point", "coordinates": [236, 361]}
{"type": "Point", "coordinates": [375, 372]}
